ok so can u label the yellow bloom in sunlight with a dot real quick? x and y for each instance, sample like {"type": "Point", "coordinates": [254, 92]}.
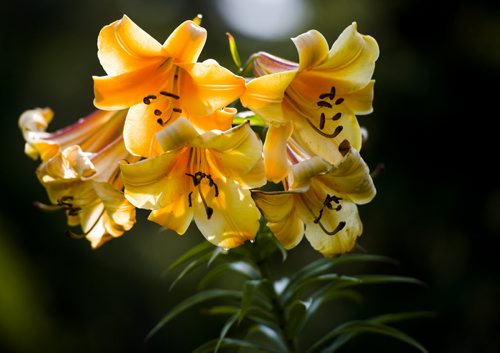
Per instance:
{"type": "Point", "coordinates": [91, 133]}
{"type": "Point", "coordinates": [315, 101]}
{"type": "Point", "coordinates": [205, 176]}
{"type": "Point", "coordinates": [88, 187]}
{"type": "Point", "coordinates": [319, 201]}
{"type": "Point", "coordinates": [159, 82]}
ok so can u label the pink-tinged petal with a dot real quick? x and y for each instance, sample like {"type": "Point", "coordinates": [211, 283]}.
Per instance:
{"type": "Point", "coordinates": [265, 63]}
{"type": "Point", "coordinates": [124, 46]}
{"type": "Point", "coordinates": [176, 216]}
{"type": "Point", "coordinates": [107, 161]}
{"type": "Point", "coordinates": [279, 210]}
{"type": "Point", "coordinates": [130, 88]}
{"type": "Point", "coordinates": [185, 43]}
{"type": "Point", "coordinates": [312, 48]}
{"type": "Point", "coordinates": [140, 129]}
{"type": "Point", "coordinates": [235, 218]}
{"type": "Point", "coordinates": [346, 226]}
{"type": "Point", "coordinates": [154, 183]}
{"type": "Point", "coordinates": [275, 152]}
{"type": "Point", "coordinates": [207, 87]}
{"type": "Point", "coordinates": [264, 96]}
{"type": "Point", "coordinates": [351, 59]}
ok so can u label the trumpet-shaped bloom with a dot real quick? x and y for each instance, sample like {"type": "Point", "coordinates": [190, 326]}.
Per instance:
{"type": "Point", "coordinates": [205, 176]}
{"type": "Point", "coordinates": [159, 82]}
{"type": "Point", "coordinates": [87, 186]}
{"type": "Point", "coordinates": [316, 100]}
{"type": "Point", "coordinates": [91, 133]}
{"type": "Point", "coordinates": [319, 201]}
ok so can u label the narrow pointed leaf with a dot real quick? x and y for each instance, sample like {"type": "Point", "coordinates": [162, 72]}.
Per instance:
{"type": "Point", "coordinates": [192, 253]}
{"type": "Point", "coordinates": [240, 267]}
{"type": "Point", "coordinates": [272, 335]}
{"type": "Point", "coordinates": [192, 301]}
{"type": "Point", "coordinates": [208, 347]}
{"type": "Point", "coordinates": [251, 287]}
{"type": "Point", "coordinates": [190, 268]}
{"type": "Point", "coordinates": [234, 50]}
{"type": "Point", "coordinates": [225, 329]}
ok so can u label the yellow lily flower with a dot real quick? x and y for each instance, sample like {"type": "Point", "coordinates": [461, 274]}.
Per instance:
{"type": "Point", "coordinates": [316, 100]}
{"type": "Point", "coordinates": [159, 82]}
{"type": "Point", "coordinates": [202, 176]}
{"type": "Point", "coordinates": [39, 143]}
{"type": "Point", "coordinates": [87, 186]}
{"type": "Point", "coordinates": [319, 201]}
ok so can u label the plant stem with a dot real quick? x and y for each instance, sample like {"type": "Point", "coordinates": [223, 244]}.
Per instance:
{"type": "Point", "coordinates": [278, 309]}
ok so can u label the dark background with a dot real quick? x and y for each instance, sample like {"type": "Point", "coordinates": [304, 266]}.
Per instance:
{"type": "Point", "coordinates": [437, 208]}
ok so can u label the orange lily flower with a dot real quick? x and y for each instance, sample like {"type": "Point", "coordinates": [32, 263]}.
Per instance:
{"type": "Point", "coordinates": [159, 82]}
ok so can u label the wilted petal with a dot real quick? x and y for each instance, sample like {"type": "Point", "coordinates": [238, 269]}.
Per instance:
{"type": "Point", "coordinates": [235, 218]}
{"type": "Point", "coordinates": [186, 42]}
{"type": "Point", "coordinates": [124, 46]}
{"type": "Point", "coordinates": [208, 87]}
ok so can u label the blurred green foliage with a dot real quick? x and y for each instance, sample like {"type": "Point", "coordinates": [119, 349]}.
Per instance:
{"type": "Point", "coordinates": [437, 208]}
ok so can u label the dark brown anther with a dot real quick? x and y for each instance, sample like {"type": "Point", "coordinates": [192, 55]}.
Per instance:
{"type": "Point", "coordinates": [322, 121]}
{"type": "Point", "coordinates": [176, 76]}
{"type": "Point", "coordinates": [338, 208]}
{"type": "Point", "coordinates": [340, 226]}
{"type": "Point", "coordinates": [157, 112]}
{"type": "Point", "coordinates": [330, 95]}
{"type": "Point", "coordinates": [337, 116]}
{"type": "Point", "coordinates": [197, 177]}
{"type": "Point", "coordinates": [147, 100]}
{"type": "Point", "coordinates": [159, 121]}
{"type": "Point", "coordinates": [189, 199]}
{"type": "Point", "coordinates": [324, 104]}
{"type": "Point", "coordinates": [210, 211]}
{"type": "Point", "coordinates": [339, 101]}
{"type": "Point", "coordinates": [177, 110]}
{"type": "Point", "coordinates": [168, 94]}
{"type": "Point", "coordinates": [73, 211]}
{"type": "Point", "coordinates": [337, 131]}
{"type": "Point", "coordinates": [344, 147]}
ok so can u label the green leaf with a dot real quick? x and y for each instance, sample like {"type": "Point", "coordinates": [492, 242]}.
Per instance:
{"type": "Point", "coordinates": [325, 296]}
{"type": "Point", "coordinates": [192, 253]}
{"type": "Point", "coordinates": [251, 117]}
{"type": "Point", "coordinates": [397, 317]}
{"type": "Point", "coordinates": [272, 335]}
{"type": "Point", "coordinates": [296, 318]}
{"type": "Point", "coordinates": [315, 269]}
{"type": "Point", "coordinates": [225, 329]}
{"type": "Point", "coordinates": [192, 301]}
{"type": "Point", "coordinates": [190, 268]}
{"type": "Point", "coordinates": [353, 328]}
{"type": "Point", "coordinates": [222, 310]}
{"type": "Point", "coordinates": [240, 267]}
{"type": "Point", "coordinates": [380, 279]}
{"type": "Point", "coordinates": [215, 254]}
{"type": "Point", "coordinates": [234, 51]}
{"type": "Point", "coordinates": [277, 245]}
{"type": "Point", "coordinates": [251, 287]}
{"type": "Point", "coordinates": [209, 346]}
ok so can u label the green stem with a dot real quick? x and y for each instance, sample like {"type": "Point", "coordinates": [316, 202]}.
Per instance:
{"type": "Point", "coordinates": [278, 308]}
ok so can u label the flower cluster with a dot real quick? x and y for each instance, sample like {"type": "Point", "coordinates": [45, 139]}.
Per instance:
{"type": "Point", "coordinates": [165, 139]}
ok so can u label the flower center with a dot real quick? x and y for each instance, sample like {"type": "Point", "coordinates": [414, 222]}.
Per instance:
{"type": "Point", "coordinates": [198, 177]}
{"type": "Point", "coordinates": [336, 206]}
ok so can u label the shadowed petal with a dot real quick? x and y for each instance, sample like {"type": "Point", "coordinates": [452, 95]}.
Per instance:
{"type": "Point", "coordinates": [275, 151]}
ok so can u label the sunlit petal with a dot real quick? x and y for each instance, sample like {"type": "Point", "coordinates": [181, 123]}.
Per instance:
{"type": "Point", "coordinates": [235, 217]}
{"type": "Point", "coordinates": [303, 172]}
{"type": "Point", "coordinates": [312, 48]}
{"type": "Point", "coordinates": [208, 87]}
{"type": "Point", "coordinates": [264, 95]}
{"type": "Point", "coordinates": [186, 42]}
{"type": "Point", "coordinates": [177, 215]}
{"type": "Point", "coordinates": [178, 134]}
{"type": "Point", "coordinates": [124, 46]}
{"type": "Point", "coordinates": [275, 151]}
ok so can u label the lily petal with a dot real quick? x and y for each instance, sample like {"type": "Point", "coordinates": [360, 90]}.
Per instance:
{"type": "Point", "coordinates": [312, 48]}
{"type": "Point", "coordinates": [304, 171]}
{"type": "Point", "coordinates": [343, 240]}
{"type": "Point", "coordinates": [279, 210]}
{"type": "Point", "coordinates": [235, 217]}
{"type": "Point", "coordinates": [275, 151]}
{"type": "Point", "coordinates": [264, 95]}
{"type": "Point", "coordinates": [208, 87]}
{"type": "Point", "coordinates": [177, 215]}
{"type": "Point", "coordinates": [124, 46]}
{"type": "Point", "coordinates": [186, 42]}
